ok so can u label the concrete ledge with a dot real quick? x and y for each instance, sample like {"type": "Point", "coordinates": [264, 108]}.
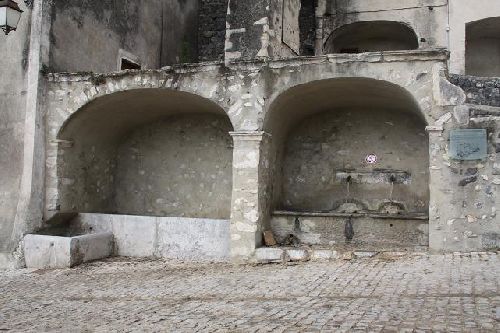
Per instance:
{"type": "Point", "coordinates": [45, 252]}
{"type": "Point", "coordinates": [162, 237]}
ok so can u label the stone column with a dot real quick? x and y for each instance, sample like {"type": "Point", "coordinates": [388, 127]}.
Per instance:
{"type": "Point", "coordinates": [248, 208]}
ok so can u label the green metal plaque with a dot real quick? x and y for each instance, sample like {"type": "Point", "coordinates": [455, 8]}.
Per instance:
{"type": "Point", "coordinates": [468, 144]}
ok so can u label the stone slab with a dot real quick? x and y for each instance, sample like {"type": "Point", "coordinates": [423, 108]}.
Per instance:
{"type": "Point", "coordinates": [180, 238]}
{"type": "Point", "coordinates": [298, 254]}
{"type": "Point", "coordinates": [269, 255]}
{"type": "Point", "coordinates": [47, 252]}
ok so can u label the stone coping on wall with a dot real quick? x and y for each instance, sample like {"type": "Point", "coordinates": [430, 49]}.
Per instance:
{"type": "Point", "coordinates": [375, 215]}
{"type": "Point", "coordinates": [437, 54]}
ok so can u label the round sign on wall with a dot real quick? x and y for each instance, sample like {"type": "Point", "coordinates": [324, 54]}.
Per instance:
{"type": "Point", "coordinates": [371, 159]}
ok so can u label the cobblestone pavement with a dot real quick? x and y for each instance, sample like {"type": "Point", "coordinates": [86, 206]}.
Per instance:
{"type": "Point", "coordinates": [449, 293]}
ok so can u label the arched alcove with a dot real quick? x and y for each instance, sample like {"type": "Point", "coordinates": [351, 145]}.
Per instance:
{"type": "Point", "coordinates": [372, 36]}
{"type": "Point", "coordinates": [151, 152]}
{"type": "Point", "coordinates": [323, 133]}
{"type": "Point", "coordinates": [482, 49]}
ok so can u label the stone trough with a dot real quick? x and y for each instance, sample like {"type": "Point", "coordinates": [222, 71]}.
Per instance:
{"type": "Point", "coordinates": [74, 239]}
{"type": "Point", "coordinates": [46, 252]}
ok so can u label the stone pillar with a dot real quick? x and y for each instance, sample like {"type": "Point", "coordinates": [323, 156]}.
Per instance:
{"type": "Point", "coordinates": [248, 208]}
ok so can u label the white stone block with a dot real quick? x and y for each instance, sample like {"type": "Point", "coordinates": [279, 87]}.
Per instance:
{"type": "Point", "coordinates": [365, 254]}
{"type": "Point", "coordinates": [321, 254]}
{"type": "Point", "coordinates": [269, 254]}
{"type": "Point", "coordinates": [298, 254]}
{"type": "Point", "coordinates": [45, 252]}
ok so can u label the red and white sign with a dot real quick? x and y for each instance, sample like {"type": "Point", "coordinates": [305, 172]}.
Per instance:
{"type": "Point", "coordinates": [371, 159]}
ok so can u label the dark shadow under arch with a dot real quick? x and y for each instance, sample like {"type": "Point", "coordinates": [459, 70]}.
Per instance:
{"type": "Point", "coordinates": [154, 152]}
{"type": "Point", "coordinates": [326, 127]}
{"type": "Point", "coordinates": [372, 36]}
{"type": "Point", "coordinates": [482, 49]}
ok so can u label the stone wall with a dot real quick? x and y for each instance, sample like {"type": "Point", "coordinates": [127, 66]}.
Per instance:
{"type": "Point", "coordinates": [324, 149]}
{"type": "Point", "coordinates": [307, 24]}
{"type": "Point", "coordinates": [479, 90]}
{"type": "Point", "coordinates": [212, 29]}
{"type": "Point", "coordinates": [181, 166]}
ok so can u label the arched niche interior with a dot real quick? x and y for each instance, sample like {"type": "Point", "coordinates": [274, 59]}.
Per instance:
{"type": "Point", "coordinates": [322, 133]}
{"type": "Point", "coordinates": [372, 36]}
{"type": "Point", "coordinates": [151, 152]}
{"type": "Point", "coordinates": [482, 47]}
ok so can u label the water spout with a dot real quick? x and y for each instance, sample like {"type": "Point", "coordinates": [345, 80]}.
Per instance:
{"type": "Point", "coordinates": [349, 230]}
{"type": "Point", "coordinates": [348, 188]}
{"type": "Point", "coordinates": [393, 180]}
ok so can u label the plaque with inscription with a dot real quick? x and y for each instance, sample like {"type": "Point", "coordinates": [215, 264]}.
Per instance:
{"type": "Point", "coordinates": [468, 144]}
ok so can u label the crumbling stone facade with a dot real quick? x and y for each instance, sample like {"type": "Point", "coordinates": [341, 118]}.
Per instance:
{"type": "Point", "coordinates": [301, 118]}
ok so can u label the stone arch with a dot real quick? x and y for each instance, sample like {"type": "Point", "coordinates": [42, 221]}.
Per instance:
{"type": "Point", "coordinates": [151, 152]}
{"type": "Point", "coordinates": [372, 36]}
{"type": "Point", "coordinates": [321, 133]}
{"type": "Point", "coordinates": [482, 47]}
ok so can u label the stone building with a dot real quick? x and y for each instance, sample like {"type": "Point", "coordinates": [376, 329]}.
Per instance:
{"type": "Point", "coordinates": [187, 128]}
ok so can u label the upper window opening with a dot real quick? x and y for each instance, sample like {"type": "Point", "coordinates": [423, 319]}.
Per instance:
{"type": "Point", "coordinates": [372, 36]}
{"type": "Point", "coordinates": [482, 48]}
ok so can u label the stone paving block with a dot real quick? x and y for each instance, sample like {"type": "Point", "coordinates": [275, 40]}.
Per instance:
{"type": "Point", "coordinates": [364, 254]}
{"type": "Point", "coordinates": [324, 254]}
{"type": "Point", "coordinates": [269, 255]}
{"type": "Point", "coordinates": [298, 254]}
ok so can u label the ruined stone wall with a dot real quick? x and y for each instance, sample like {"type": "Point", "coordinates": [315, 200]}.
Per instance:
{"type": "Point", "coordinates": [212, 29]}
{"type": "Point", "coordinates": [181, 166]}
{"type": "Point", "coordinates": [481, 91]}
{"type": "Point", "coordinates": [14, 53]}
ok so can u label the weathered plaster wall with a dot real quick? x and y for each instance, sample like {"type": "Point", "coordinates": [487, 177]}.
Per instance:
{"type": "Point", "coordinates": [181, 166]}
{"type": "Point", "coordinates": [93, 36]}
{"type": "Point", "coordinates": [14, 52]}
{"type": "Point", "coordinates": [324, 148]}
{"type": "Point", "coordinates": [461, 13]}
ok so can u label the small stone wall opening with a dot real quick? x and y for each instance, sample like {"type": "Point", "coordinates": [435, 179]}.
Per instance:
{"type": "Point", "coordinates": [482, 49]}
{"type": "Point", "coordinates": [350, 148]}
{"type": "Point", "coordinates": [151, 152]}
{"type": "Point", "coordinates": [372, 36]}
